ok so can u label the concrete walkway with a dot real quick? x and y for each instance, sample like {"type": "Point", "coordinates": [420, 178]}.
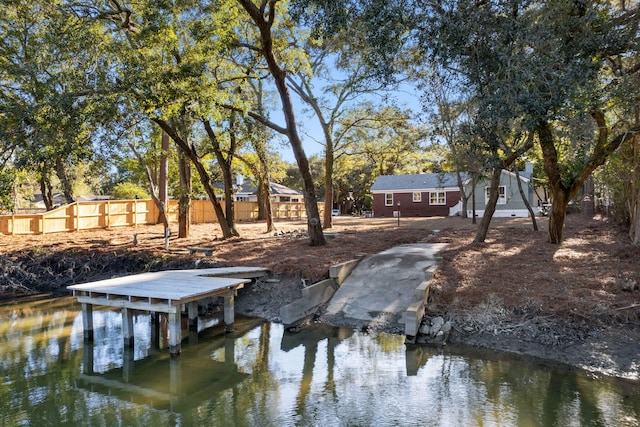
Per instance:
{"type": "Point", "coordinates": [382, 286]}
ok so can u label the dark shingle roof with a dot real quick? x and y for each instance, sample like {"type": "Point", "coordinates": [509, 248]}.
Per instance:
{"type": "Point", "coordinates": [415, 182]}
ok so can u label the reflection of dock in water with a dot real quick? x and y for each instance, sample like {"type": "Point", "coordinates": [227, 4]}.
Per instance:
{"type": "Point", "coordinates": [169, 383]}
{"type": "Point", "coordinates": [189, 382]}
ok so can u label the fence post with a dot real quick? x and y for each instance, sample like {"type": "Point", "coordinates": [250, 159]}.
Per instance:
{"type": "Point", "coordinates": [76, 216]}
{"type": "Point", "coordinates": [135, 212]}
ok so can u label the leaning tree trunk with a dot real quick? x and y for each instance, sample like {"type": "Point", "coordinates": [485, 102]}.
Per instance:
{"type": "Point", "coordinates": [61, 172]}
{"type": "Point", "coordinates": [264, 20]}
{"type": "Point", "coordinates": [463, 195]}
{"type": "Point", "coordinates": [47, 192]}
{"type": "Point", "coordinates": [490, 208]}
{"type": "Point", "coordinates": [184, 203]}
{"type": "Point", "coordinates": [634, 229]}
{"type": "Point", "coordinates": [473, 199]}
{"type": "Point", "coordinates": [205, 179]}
{"type": "Point", "coordinates": [534, 223]}
{"type": "Point", "coordinates": [225, 167]}
{"type": "Point", "coordinates": [328, 184]}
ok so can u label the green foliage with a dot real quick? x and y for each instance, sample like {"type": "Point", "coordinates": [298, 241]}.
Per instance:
{"type": "Point", "coordinates": [128, 191]}
{"type": "Point", "coordinates": [7, 179]}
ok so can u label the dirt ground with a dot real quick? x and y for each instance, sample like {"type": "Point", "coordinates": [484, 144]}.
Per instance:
{"type": "Point", "coordinates": [576, 303]}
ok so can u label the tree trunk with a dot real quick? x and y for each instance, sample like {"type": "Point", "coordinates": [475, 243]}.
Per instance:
{"type": "Point", "coordinates": [184, 203]}
{"type": "Point", "coordinates": [265, 193]}
{"type": "Point", "coordinates": [587, 205]}
{"type": "Point", "coordinates": [328, 182]}
{"type": "Point", "coordinates": [163, 177]}
{"type": "Point", "coordinates": [328, 177]}
{"type": "Point", "coordinates": [47, 192]}
{"type": "Point", "coordinates": [534, 223]}
{"type": "Point", "coordinates": [490, 208]}
{"type": "Point", "coordinates": [260, 194]}
{"type": "Point", "coordinates": [463, 195]}
{"type": "Point", "coordinates": [634, 229]}
{"type": "Point", "coordinates": [557, 216]}
{"type": "Point", "coordinates": [473, 199]}
{"type": "Point", "coordinates": [65, 181]}
{"type": "Point", "coordinates": [563, 190]}
{"type": "Point", "coordinates": [264, 19]}
{"type": "Point", "coordinates": [157, 200]}
{"type": "Point", "coordinates": [205, 179]}
{"type": "Point", "coordinates": [225, 167]}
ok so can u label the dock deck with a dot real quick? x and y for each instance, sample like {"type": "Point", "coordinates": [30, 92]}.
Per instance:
{"type": "Point", "coordinates": [164, 292]}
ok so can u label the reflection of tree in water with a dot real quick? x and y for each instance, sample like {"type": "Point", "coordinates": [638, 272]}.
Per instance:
{"type": "Point", "coordinates": [261, 375]}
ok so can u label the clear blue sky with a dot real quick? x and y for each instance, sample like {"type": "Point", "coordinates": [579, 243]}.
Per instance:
{"type": "Point", "coordinates": [309, 127]}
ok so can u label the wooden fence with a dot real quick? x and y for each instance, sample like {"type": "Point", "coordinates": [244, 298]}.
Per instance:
{"type": "Point", "coordinates": [119, 213]}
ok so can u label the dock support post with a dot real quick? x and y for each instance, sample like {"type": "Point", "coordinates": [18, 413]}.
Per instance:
{"type": "Point", "coordinates": [127, 327]}
{"type": "Point", "coordinates": [229, 313]}
{"type": "Point", "coordinates": [229, 351]}
{"type": "Point", "coordinates": [193, 316]}
{"type": "Point", "coordinates": [87, 321]}
{"type": "Point", "coordinates": [175, 333]}
{"type": "Point", "coordinates": [155, 330]}
{"type": "Point", "coordinates": [175, 379]}
{"type": "Point", "coordinates": [127, 364]}
{"type": "Point", "coordinates": [87, 359]}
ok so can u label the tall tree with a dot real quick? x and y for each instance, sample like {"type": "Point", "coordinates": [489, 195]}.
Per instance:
{"type": "Point", "coordinates": [48, 71]}
{"type": "Point", "coordinates": [387, 137]}
{"type": "Point", "coordinates": [265, 16]}
{"type": "Point", "coordinates": [536, 61]}
{"type": "Point", "coordinates": [543, 62]}
{"type": "Point", "coordinates": [171, 65]}
{"type": "Point", "coordinates": [340, 78]}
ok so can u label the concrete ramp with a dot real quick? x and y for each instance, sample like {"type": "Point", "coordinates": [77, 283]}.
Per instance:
{"type": "Point", "coordinates": [382, 286]}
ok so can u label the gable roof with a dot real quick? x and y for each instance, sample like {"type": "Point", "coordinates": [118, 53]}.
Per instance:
{"type": "Point", "coordinates": [423, 181]}
{"type": "Point", "coordinates": [249, 189]}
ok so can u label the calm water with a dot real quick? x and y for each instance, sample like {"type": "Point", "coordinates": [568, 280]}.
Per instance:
{"type": "Point", "coordinates": [261, 376]}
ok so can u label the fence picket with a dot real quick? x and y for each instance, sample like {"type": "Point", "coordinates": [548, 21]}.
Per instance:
{"type": "Point", "coordinates": [121, 213]}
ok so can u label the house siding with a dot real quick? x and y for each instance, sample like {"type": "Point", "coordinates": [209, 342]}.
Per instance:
{"type": "Point", "coordinates": [409, 208]}
{"type": "Point", "coordinates": [514, 205]}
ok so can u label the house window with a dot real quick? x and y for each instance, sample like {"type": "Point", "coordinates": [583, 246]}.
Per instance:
{"type": "Point", "coordinates": [388, 199]}
{"type": "Point", "coordinates": [437, 198]}
{"type": "Point", "coordinates": [417, 196]}
{"type": "Point", "coordinates": [502, 195]}
{"type": "Point", "coordinates": [285, 199]}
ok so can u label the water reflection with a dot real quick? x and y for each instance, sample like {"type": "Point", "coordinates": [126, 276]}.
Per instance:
{"type": "Point", "coordinates": [262, 376]}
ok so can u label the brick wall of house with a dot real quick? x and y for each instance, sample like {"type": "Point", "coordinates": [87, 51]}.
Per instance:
{"type": "Point", "coordinates": [409, 208]}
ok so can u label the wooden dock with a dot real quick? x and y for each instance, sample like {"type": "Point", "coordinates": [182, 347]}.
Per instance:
{"type": "Point", "coordinates": [164, 292]}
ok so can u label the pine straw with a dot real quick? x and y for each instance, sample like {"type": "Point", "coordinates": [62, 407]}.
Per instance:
{"type": "Point", "coordinates": [582, 278]}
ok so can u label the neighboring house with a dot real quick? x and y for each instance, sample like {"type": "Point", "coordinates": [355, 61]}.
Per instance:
{"type": "Point", "coordinates": [437, 194]}
{"type": "Point", "coordinates": [245, 192]}
{"type": "Point", "coordinates": [59, 199]}
{"type": "Point", "coordinates": [510, 203]}
{"type": "Point", "coordinates": [431, 194]}
{"type": "Point", "coordinates": [279, 193]}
